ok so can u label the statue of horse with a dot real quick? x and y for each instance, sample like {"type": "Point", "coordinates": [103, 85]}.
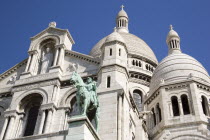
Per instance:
{"type": "Point", "coordinates": [84, 99]}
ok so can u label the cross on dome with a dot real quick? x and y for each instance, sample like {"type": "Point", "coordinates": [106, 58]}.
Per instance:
{"type": "Point", "coordinates": [171, 27]}
{"type": "Point", "coordinates": [122, 6]}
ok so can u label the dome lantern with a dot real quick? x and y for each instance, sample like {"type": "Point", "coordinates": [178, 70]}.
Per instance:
{"type": "Point", "coordinates": [173, 41]}
{"type": "Point", "coordinates": [122, 21]}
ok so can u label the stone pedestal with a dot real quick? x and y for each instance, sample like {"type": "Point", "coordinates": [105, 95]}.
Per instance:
{"type": "Point", "coordinates": [25, 75]}
{"type": "Point", "coordinates": [55, 69]}
{"type": "Point", "coordinates": [80, 128]}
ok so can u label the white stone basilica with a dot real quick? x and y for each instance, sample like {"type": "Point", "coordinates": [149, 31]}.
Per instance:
{"type": "Point", "coordinates": [140, 99]}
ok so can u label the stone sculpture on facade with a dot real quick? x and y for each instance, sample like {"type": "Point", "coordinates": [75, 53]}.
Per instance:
{"type": "Point", "coordinates": [86, 97]}
{"type": "Point", "coordinates": [46, 60]}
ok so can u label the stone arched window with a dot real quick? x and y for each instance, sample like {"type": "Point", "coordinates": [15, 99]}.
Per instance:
{"type": "Point", "coordinates": [30, 105]}
{"type": "Point", "coordinates": [108, 82]}
{"type": "Point", "coordinates": [137, 96]}
{"type": "Point", "coordinates": [74, 110]}
{"type": "Point", "coordinates": [147, 67]}
{"type": "Point", "coordinates": [154, 117]}
{"type": "Point", "coordinates": [159, 112]}
{"type": "Point", "coordinates": [133, 62]}
{"type": "Point", "coordinates": [139, 63]}
{"type": "Point", "coordinates": [185, 104]}
{"type": "Point", "coordinates": [175, 106]}
{"type": "Point", "coordinates": [205, 105]}
{"type": "Point", "coordinates": [110, 51]}
{"type": "Point", "coordinates": [119, 52]}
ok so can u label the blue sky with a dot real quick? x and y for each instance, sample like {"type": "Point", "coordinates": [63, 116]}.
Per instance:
{"type": "Point", "coordinates": [90, 20]}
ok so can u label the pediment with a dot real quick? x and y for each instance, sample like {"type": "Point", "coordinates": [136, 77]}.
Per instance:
{"type": "Point", "coordinates": [53, 31]}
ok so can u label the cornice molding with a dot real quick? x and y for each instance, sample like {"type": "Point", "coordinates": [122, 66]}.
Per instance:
{"type": "Point", "coordinates": [82, 56]}
{"type": "Point", "coordinates": [35, 85]}
{"type": "Point", "coordinates": [37, 78]}
{"type": "Point", "coordinates": [13, 69]}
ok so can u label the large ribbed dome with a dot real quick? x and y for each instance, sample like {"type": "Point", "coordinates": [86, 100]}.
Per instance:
{"type": "Point", "coordinates": [176, 68]}
{"type": "Point", "coordinates": [134, 44]}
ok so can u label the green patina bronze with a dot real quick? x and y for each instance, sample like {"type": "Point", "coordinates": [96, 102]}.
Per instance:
{"type": "Point", "coordinates": [86, 96]}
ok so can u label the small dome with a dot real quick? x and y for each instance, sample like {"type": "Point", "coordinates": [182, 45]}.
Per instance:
{"type": "Point", "coordinates": [113, 37]}
{"type": "Point", "coordinates": [122, 13]}
{"type": "Point", "coordinates": [176, 68]}
{"type": "Point", "coordinates": [172, 34]}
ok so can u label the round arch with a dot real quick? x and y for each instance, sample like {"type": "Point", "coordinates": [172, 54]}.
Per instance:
{"type": "Point", "coordinates": [188, 136]}
{"type": "Point", "coordinates": [203, 94]}
{"type": "Point", "coordinates": [40, 91]}
{"type": "Point", "coordinates": [138, 96]}
{"type": "Point", "coordinates": [174, 94]}
{"type": "Point", "coordinates": [67, 97]}
{"type": "Point", "coordinates": [54, 37]}
{"type": "Point", "coordinates": [138, 88]}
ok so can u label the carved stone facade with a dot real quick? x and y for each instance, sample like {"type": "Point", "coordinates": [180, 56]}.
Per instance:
{"type": "Point", "coordinates": [139, 98]}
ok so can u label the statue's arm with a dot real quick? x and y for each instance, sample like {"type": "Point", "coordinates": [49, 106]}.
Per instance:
{"type": "Point", "coordinates": [94, 86]}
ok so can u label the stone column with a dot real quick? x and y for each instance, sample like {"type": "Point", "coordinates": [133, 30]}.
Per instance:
{"type": "Point", "coordinates": [41, 125]}
{"type": "Point", "coordinates": [196, 102]}
{"type": "Point", "coordinates": [33, 60]}
{"type": "Point", "coordinates": [66, 112]}
{"type": "Point", "coordinates": [56, 57]}
{"type": "Point", "coordinates": [54, 95]}
{"type": "Point", "coordinates": [28, 63]}
{"type": "Point", "coordinates": [119, 116]}
{"type": "Point", "coordinates": [180, 107]}
{"type": "Point", "coordinates": [61, 54]}
{"type": "Point", "coordinates": [9, 134]}
{"type": "Point", "coordinates": [4, 128]}
{"type": "Point", "coordinates": [19, 126]}
{"type": "Point", "coordinates": [170, 109]}
{"type": "Point", "coordinates": [48, 121]}
{"type": "Point", "coordinates": [190, 105]}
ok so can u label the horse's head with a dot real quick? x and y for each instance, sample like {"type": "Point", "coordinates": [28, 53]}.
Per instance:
{"type": "Point", "coordinates": [76, 79]}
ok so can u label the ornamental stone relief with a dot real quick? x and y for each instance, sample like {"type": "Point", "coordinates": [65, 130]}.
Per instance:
{"type": "Point", "coordinates": [37, 78]}
{"type": "Point", "coordinates": [32, 86]}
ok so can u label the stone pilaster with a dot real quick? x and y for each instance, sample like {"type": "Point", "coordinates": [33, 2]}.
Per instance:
{"type": "Point", "coordinates": [3, 131]}
{"type": "Point", "coordinates": [9, 131]}
{"type": "Point", "coordinates": [48, 121]}
{"type": "Point", "coordinates": [29, 70]}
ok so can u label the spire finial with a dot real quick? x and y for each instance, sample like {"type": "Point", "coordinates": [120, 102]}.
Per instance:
{"type": "Point", "coordinates": [52, 24]}
{"type": "Point", "coordinates": [171, 27]}
{"type": "Point", "coordinates": [122, 6]}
